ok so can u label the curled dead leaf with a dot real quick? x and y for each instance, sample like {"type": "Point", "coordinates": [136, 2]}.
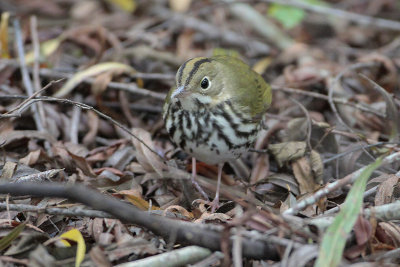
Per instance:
{"type": "Point", "coordinates": [179, 209]}
{"type": "Point", "coordinates": [385, 190]}
{"type": "Point", "coordinates": [147, 159]}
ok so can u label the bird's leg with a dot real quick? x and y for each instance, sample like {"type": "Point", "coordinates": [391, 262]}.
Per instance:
{"type": "Point", "coordinates": [194, 182]}
{"type": "Point", "coordinates": [215, 202]}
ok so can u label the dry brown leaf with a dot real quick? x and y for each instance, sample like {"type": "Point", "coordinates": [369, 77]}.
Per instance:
{"type": "Point", "coordinates": [35, 157]}
{"type": "Point", "coordinates": [389, 233]}
{"type": "Point", "coordinates": [8, 137]}
{"type": "Point", "coordinates": [317, 166]}
{"type": "Point", "coordinates": [184, 44]}
{"type": "Point", "coordinates": [93, 124]}
{"type": "Point", "coordinates": [139, 202]}
{"type": "Point", "coordinates": [149, 161]}
{"type": "Point", "coordinates": [111, 67]}
{"type": "Point", "coordinates": [98, 257]}
{"type": "Point", "coordinates": [8, 170]}
{"type": "Point", "coordinates": [289, 202]}
{"type": "Point", "coordinates": [181, 210]}
{"type": "Point", "coordinates": [208, 217]}
{"type": "Point", "coordinates": [260, 169]}
{"type": "Point", "coordinates": [363, 232]}
{"type": "Point", "coordinates": [384, 194]}
{"type": "Point", "coordinates": [287, 151]}
{"type": "Point", "coordinates": [82, 164]}
{"type": "Point", "coordinates": [304, 176]}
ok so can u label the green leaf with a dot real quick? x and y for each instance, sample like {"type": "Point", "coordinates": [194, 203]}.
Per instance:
{"type": "Point", "coordinates": [126, 5]}
{"type": "Point", "coordinates": [334, 240]}
{"type": "Point", "coordinates": [288, 16]}
{"type": "Point", "coordinates": [6, 241]}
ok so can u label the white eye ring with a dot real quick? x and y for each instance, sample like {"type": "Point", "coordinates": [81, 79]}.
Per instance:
{"type": "Point", "coordinates": [205, 83]}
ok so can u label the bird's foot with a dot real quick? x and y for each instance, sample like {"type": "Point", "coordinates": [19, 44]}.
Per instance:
{"type": "Point", "coordinates": [214, 204]}
{"type": "Point", "coordinates": [199, 189]}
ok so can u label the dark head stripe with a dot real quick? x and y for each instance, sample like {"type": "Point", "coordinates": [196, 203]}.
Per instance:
{"type": "Point", "coordinates": [180, 72]}
{"type": "Point", "coordinates": [195, 68]}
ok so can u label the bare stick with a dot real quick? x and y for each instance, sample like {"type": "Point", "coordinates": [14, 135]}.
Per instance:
{"type": "Point", "coordinates": [186, 233]}
{"type": "Point", "coordinates": [337, 100]}
{"type": "Point", "coordinates": [71, 211]}
{"type": "Point", "coordinates": [337, 156]}
{"type": "Point", "coordinates": [25, 75]}
{"type": "Point", "coordinates": [82, 106]}
{"type": "Point", "coordinates": [309, 122]}
{"type": "Point", "coordinates": [336, 185]}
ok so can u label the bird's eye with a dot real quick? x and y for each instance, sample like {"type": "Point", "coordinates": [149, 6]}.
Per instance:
{"type": "Point", "coordinates": [205, 83]}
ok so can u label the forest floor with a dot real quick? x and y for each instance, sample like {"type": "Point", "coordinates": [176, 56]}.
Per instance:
{"type": "Point", "coordinates": [89, 176]}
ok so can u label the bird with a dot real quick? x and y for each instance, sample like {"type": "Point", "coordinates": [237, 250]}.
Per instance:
{"type": "Point", "coordinates": [214, 112]}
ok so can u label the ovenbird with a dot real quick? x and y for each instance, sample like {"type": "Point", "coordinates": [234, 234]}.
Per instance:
{"type": "Point", "coordinates": [215, 110]}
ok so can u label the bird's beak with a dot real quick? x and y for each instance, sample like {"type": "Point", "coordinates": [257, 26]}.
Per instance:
{"type": "Point", "coordinates": [179, 92]}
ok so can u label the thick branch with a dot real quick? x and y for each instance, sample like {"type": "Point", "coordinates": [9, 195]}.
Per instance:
{"type": "Point", "coordinates": [184, 232]}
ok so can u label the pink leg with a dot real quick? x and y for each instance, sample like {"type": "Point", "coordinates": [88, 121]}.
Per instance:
{"type": "Point", "coordinates": [215, 203]}
{"type": "Point", "coordinates": [196, 184]}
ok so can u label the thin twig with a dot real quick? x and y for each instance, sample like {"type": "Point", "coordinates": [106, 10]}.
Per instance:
{"type": "Point", "coordinates": [129, 87]}
{"type": "Point", "coordinates": [309, 122]}
{"type": "Point", "coordinates": [336, 185]}
{"type": "Point", "coordinates": [133, 89]}
{"type": "Point", "coordinates": [391, 110]}
{"type": "Point", "coordinates": [71, 211]}
{"type": "Point", "coordinates": [366, 194]}
{"type": "Point", "coordinates": [82, 106]}
{"type": "Point", "coordinates": [27, 99]}
{"type": "Point", "coordinates": [336, 82]}
{"type": "Point", "coordinates": [25, 75]}
{"type": "Point", "coordinates": [39, 177]}
{"type": "Point", "coordinates": [211, 32]}
{"type": "Point", "coordinates": [337, 100]}
{"type": "Point", "coordinates": [75, 119]}
{"type": "Point", "coordinates": [337, 156]}
{"type": "Point", "coordinates": [35, 70]}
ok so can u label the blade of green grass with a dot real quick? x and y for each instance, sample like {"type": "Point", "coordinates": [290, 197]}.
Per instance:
{"type": "Point", "coordinates": [334, 240]}
{"type": "Point", "coordinates": [6, 241]}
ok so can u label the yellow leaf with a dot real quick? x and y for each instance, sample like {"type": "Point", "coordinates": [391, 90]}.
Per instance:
{"type": "Point", "coordinates": [46, 49]}
{"type": "Point", "coordinates": [180, 5]}
{"type": "Point", "coordinates": [4, 35]}
{"type": "Point", "coordinates": [140, 202]}
{"type": "Point", "coordinates": [126, 5]}
{"type": "Point", "coordinates": [262, 65]}
{"type": "Point", "coordinates": [76, 236]}
{"type": "Point", "coordinates": [92, 71]}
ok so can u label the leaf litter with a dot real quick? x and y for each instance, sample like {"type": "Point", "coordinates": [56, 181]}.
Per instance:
{"type": "Point", "coordinates": [121, 58]}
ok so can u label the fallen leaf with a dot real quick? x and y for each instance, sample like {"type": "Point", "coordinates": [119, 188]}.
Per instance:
{"type": "Point", "coordinates": [92, 71]}
{"type": "Point", "coordinates": [287, 151]}
{"type": "Point", "coordinates": [384, 194]}
{"type": "Point", "coordinates": [126, 5]}
{"type": "Point", "coordinates": [147, 158]}
{"type": "Point", "coordinates": [180, 5]}
{"type": "Point", "coordinates": [181, 210]}
{"type": "Point", "coordinates": [4, 53]}
{"type": "Point", "coordinates": [304, 176]}
{"type": "Point", "coordinates": [8, 170]}
{"type": "Point", "coordinates": [76, 236]}
{"type": "Point", "coordinates": [6, 241]}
